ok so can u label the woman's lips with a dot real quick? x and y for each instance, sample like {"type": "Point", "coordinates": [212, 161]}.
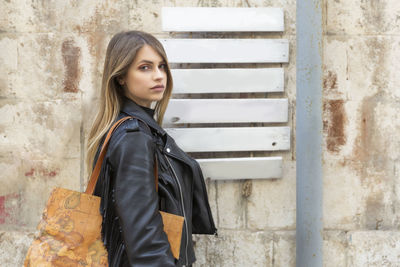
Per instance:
{"type": "Point", "coordinates": [160, 89]}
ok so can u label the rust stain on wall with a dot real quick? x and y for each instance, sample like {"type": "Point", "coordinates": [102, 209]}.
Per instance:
{"type": "Point", "coordinates": [334, 125]}
{"type": "Point", "coordinates": [330, 81]}
{"type": "Point", "coordinates": [30, 172]}
{"type": "Point", "coordinates": [370, 156]}
{"type": "Point", "coordinates": [71, 57]}
{"type": "Point", "coordinates": [7, 208]}
{"type": "Point", "coordinates": [3, 212]}
{"type": "Point", "coordinates": [334, 115]}
{"type": "Point", "coordinates": [100, 27]}
{"type": "Point", "coordinates": [368, 150]}
{"type": "Point", "coordinates": [42, 171]}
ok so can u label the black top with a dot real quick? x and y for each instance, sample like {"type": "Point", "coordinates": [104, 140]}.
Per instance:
{"type": "Point", "coordinates": [149, 111]}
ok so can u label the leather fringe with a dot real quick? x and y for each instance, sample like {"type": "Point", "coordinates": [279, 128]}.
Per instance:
{"type": "Point", "coordinates": [110, 228]}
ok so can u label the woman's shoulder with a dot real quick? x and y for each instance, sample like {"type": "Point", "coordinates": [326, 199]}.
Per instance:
{"type": "Point", "coordinates": [129, 127]}
{"type": "Point", "coordinates": [132, 124]}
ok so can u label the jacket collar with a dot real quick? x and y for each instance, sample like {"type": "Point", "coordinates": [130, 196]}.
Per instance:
{"type": "Point", "coordinates": [130, 107]}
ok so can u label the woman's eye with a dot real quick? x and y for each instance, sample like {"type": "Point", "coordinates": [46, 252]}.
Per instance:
{"type": "Point", "coordinates": [163, 66]}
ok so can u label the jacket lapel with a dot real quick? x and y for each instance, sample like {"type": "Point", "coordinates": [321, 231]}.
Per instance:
{"type": "Point", "coordinates": [170, 147]}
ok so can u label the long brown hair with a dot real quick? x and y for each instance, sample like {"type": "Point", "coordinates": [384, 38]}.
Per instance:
{"type": "Point", "coordinates": [121, 51]}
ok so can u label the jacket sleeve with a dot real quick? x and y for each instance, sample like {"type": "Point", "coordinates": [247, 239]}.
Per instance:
{"type": "Point", "coordinates": [136, 201]}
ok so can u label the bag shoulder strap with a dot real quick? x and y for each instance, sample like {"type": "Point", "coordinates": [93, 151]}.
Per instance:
{"type": "Point", "coordinates": [96, 171]}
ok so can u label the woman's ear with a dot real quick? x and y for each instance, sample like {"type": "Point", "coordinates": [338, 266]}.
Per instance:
{"type": "Point", "coordinates": [121, 79]}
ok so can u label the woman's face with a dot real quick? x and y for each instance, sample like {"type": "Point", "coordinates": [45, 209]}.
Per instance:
{"type": "Point", "coordinates": [146, 71]}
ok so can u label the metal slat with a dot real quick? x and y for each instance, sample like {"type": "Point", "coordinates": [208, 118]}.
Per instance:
{"type": "Point", "coordinates": [226, 110]}
{"type": "Point", "coordinates": [226, 50]}
{"type": "Point", "coordinates": [222, 19]}
{"type": "Point", "coordinates": [242, 168]}
{"type": "Point", "coordinates": [224, 80]}
{"type": "Point", "coordinates": [231, 138]}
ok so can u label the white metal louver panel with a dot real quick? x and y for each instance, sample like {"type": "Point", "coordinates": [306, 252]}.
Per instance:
{"type": "Point", "coordinates": [226, 110]}
{"type": "Point", "coordinates": [228, 80]}
{"type": "Point", "coordinates": [231, 138]}
{"type": "Point", "coordinates": [222, 19]}
{"type": "Point", "coordinates": [223, 80]}
{"type": "Point", "coordinates": [241, 168]}
{"type": "Point", "coordinates": [226, 50]}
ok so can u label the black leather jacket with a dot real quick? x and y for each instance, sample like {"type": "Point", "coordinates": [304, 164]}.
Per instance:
{"type": "Point", "coordinates": [132, 226]}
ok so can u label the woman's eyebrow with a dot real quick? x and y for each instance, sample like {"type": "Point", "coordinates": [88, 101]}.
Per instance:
{"type": "Point", "coordinates": [148, 61]}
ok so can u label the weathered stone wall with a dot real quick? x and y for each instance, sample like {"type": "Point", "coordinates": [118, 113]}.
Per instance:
{"type": "Point", "coordinates": [361, 126]}
{"type": "Point", "coordinates": [51, 60]}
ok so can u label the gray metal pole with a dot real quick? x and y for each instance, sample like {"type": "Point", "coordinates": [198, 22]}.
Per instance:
{"type": "Point", "coordinates": [309, 224]}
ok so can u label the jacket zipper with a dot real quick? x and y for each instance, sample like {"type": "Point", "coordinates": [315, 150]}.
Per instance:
{"type": "Point", "coordinates": [208, 207]}
{"type": "Point", "coordinates": [183, 207]}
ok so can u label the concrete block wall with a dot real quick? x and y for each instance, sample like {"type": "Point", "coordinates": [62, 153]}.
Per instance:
{"type": "Point", "coordinates": [51, 60]}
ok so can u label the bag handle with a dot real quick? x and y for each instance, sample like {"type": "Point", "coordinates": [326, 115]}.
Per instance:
{"type": "Point", "coordinates": [96, 171]}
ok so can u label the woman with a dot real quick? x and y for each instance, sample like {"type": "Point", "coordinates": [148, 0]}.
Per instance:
{"type": "Point", "coordinates": [136, 74]}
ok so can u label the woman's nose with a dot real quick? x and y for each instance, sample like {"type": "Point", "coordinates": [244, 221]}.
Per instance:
{"type": "Point", "coordinates": [158, 73]}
